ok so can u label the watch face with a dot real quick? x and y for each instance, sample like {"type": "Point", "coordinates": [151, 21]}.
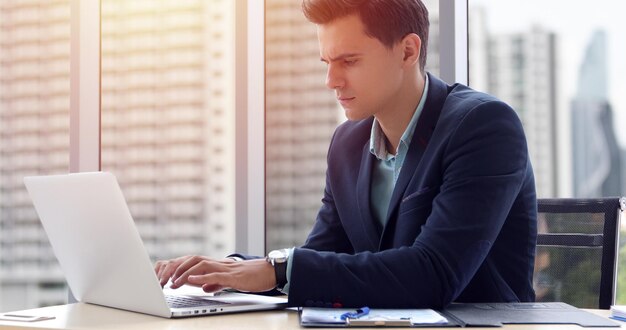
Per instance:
{"type": "Point", "coordinates": [278, 255]}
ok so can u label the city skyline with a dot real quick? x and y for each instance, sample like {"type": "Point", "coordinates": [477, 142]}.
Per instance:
{"type": "Point", "coordinates": [574, 27]}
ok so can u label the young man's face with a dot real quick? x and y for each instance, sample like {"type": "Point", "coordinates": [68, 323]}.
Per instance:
{"type": "Point", "coordinates": [366, 75]}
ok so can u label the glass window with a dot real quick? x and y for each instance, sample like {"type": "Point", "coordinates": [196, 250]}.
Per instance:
{"type": "Point", "coordinates": [34, 140]}
{"type": "Point", "coordinates": [168, 120]}
{"type": "Point", "coordinates": [301, 116]}
{"type": "Point", "coordinates": [559, 65]}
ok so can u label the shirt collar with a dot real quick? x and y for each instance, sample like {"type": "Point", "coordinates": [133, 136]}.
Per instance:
{"type": "Point", "coordinates": [378, 146]}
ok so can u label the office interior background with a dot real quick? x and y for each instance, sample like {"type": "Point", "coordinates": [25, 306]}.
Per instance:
{"type": "Point", "coordinates": [167, 125]}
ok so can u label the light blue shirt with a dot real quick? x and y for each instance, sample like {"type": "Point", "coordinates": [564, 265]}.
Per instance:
{"type": "Point", "coordinates": [387, 166]}
{"type": "Point", "coordinates": [386, 170]}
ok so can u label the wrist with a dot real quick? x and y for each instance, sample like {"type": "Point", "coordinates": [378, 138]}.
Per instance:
{"type": "Point", "coordinates": [279, 259]}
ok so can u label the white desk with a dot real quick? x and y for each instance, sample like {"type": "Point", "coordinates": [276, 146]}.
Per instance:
{"type": "Point", "coordinates": [85, 316]}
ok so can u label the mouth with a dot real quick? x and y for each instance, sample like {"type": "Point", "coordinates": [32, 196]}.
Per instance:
{"type": "Point", "coordinates": [345, 100]}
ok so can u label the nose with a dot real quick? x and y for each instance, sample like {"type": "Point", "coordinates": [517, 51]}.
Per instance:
{"type": "Point", "coordinates": [334, 77]}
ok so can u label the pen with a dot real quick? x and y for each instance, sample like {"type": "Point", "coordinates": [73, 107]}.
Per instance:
{"type": "Point", "coordinates": [355, 315]}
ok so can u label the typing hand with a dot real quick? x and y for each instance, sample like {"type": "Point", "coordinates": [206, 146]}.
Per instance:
{"type": "Point", "coordinates": [165, 268]}
{"type": "Point", "coordinates": [214, 275]}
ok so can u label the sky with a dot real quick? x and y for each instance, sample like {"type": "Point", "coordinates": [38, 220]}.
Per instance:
{"type": "Point", "coordinates": [573, 22]}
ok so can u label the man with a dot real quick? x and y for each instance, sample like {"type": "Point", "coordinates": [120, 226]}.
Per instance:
{"type": "Point", "coordinates": [429, 194]}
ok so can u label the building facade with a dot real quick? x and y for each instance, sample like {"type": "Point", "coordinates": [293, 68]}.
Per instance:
{"type": "Point", "coordinates": [34, 139]}
{"type": "Point", "coordinates": [167, 128]}
{"type": "Point", "coordinates": [301, 115]}
{"type": "Point", "coordinates": [596, 156]}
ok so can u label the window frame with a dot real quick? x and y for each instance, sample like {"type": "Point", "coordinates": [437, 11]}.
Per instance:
{"type": "Point", "coordinates": [453, 41]}
{"type": "Point", "coordinates": [85, 86]}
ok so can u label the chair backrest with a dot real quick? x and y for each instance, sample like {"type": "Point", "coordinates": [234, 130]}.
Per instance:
{"type": "Point", "coordinates": [577, 250]}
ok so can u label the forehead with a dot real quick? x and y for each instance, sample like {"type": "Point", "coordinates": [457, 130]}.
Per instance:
{"type": "Point", "coordinates": [345, 35]}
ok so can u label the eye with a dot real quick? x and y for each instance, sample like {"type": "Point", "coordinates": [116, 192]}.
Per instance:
{"type": "Point", "coordinates": [349, 62]}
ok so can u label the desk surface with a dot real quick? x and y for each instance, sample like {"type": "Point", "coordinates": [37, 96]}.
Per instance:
{"type": "Point", "coordinates": [86, 316]}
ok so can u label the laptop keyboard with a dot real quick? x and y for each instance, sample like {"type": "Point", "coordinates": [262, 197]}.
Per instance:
{"type": "Point", "coordinates": [186, 302]}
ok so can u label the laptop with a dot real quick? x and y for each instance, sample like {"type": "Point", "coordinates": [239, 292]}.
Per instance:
{"type": "Point", "coordinates": [99, 249]}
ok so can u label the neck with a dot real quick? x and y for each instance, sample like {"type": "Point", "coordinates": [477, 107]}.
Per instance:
{"type": "Point", "coordinates": [395, 119]}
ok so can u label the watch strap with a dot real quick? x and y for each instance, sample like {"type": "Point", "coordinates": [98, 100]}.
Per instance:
{"type": "Point", "coordinates": [280, 269]}
{"type": "Point", "coordinates": [278, 259]}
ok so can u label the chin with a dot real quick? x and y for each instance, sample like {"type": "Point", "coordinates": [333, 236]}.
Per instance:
{"type": "Point", "coordinates": [355, 115]}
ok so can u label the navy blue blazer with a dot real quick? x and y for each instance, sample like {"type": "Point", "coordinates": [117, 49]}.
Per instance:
{"type": "Point", "coordinates": [461, 224]}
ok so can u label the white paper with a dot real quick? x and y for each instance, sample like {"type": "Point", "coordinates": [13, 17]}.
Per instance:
{"type": "Point", "coordinates": [618, 311]}
{"type": "Point", "coordinates": [333, 315]}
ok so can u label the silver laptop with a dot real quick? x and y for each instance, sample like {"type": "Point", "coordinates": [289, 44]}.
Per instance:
{"type": "Point", "coordinates": [94, 237]}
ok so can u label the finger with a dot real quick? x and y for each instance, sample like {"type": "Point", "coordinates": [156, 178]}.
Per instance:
{"type": "Point", "coordinates": [201, 268]}
{"type": "Point", "coordinates": [169, 268]}
{"type": "Point", "coordinates": [164, 273]}
{"type": "Point", "coordinates": [212, 288]}
{"type": "Point", "coordinates": [211, 282]}
{"type": "Point", "coordinates": [157, 266]}
{"type": "Point", "coordinates": [159, 269]}
{"type": "Point", "coordinates": [184, 265]}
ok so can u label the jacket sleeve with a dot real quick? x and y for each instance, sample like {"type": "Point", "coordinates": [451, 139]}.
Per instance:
{"type": "Point", "coordinates": [484, 166]}
{"type": "Point", "coordinates": [328, 234]}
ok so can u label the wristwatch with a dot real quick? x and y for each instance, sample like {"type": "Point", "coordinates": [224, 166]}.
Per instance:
{"type": "Point", "coordinates": [278, 259]}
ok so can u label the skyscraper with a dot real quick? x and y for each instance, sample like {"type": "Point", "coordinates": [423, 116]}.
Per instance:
{"type": "Point", "coordinates": [168, 120]}
{"type": "Point", "coordinates": [596, 154]}
{"type": "Point", "coordinates": [34, 139]}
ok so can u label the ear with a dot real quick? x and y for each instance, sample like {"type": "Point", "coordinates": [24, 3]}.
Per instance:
{"type": "Point", "coordinates": [411, 45]}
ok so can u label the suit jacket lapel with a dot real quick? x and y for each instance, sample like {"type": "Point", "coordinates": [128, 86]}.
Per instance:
{"type": "Point", "coordinates": [437, 92]}
{"type": "Point", "coordinates": [363, 190]}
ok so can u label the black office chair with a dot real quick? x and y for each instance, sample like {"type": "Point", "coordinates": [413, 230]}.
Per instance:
{"type": "Point", "coordinates": [577, 249]}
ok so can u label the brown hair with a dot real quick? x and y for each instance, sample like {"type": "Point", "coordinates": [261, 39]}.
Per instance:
{"type": "Point", "coordinates": [386, 20]}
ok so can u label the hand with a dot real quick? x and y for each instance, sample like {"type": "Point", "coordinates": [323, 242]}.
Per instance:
{"type": "Point", "coordinates": [165, 268]}
{"type": "Point", "coordinates": [214, 275]}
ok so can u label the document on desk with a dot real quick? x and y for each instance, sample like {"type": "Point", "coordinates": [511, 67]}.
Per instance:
{"type": "Point", "coordinates": [335, 317]}
{"type": "Point", "coordinates": [618, 312]}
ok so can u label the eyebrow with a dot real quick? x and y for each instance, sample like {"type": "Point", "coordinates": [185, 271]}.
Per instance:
{"type": "Point", "coordinates": [341, 57]}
